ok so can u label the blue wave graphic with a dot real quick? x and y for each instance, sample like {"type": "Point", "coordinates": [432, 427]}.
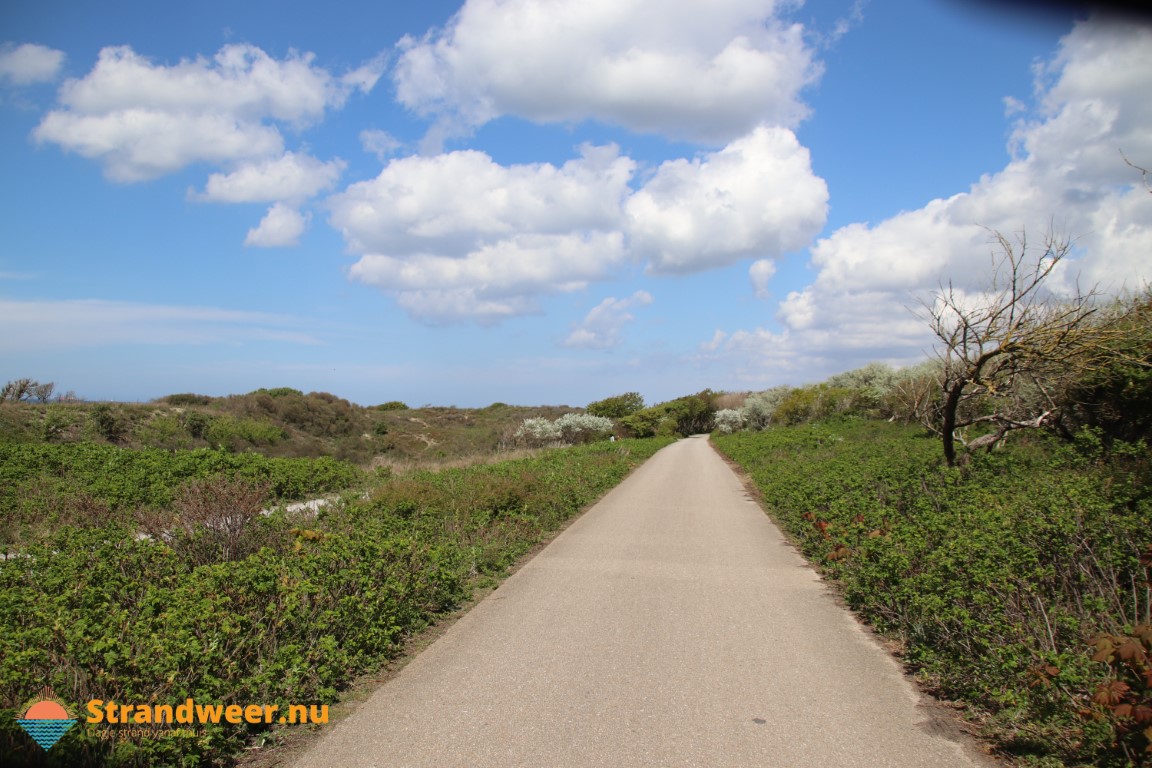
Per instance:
{"type": "Point", "coordinates": [46, 732]}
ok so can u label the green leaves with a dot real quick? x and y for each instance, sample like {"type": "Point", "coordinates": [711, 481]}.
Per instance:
{"type": "Point", "coordinates": [44, 486]}
{"type": "Point", "coordinates": [98, 613]}
{"type": "Point", "coordinates": [994, 578]}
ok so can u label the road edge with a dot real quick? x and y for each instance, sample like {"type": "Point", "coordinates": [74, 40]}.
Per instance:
{"type": "Point", "coordinates": [943, 717]}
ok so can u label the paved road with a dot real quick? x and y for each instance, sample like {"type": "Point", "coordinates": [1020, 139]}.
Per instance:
{"type": "Point", "coordinates": [669, 626]}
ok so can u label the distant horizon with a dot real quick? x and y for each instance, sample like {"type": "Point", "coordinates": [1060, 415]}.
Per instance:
{"type": "Point", "coordinates": [79, 398]}
{"type": "Point", "coordinates": [472, 201]}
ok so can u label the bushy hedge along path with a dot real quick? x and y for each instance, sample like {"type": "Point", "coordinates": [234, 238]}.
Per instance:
{"type": "Point", "coordinates": [98, 613]}
{"type": "Point", "coordinates": [1018, 585]}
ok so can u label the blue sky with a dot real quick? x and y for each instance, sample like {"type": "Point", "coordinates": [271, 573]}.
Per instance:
{"type": "Point", "coordinates": [539, 201]}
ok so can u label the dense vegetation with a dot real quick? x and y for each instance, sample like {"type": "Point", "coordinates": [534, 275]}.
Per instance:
{"type": "Point", "coordinates": [225, 605]}
{"type": "Point", "coordinates": [276, 422]}
{"type": "Point", "coordinates": [1018, 584]}
{"type": "Point", "coordinates": [683, 416]}
{"type": "Point", "coordinates": [45, 486]}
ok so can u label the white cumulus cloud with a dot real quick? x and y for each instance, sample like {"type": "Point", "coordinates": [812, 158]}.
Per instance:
{"type": "Point", "coordinates": [295, 177]}
{"type": "Point", "coordinates": [502, 236]}
{"type": "Point", "coordinates": [756, 198]}
{"type": "Point", "coordinates": [281, 227]}
{"type": "Point", "coordinates": [29, 63]}
{"type": "Point", "coordinates": [703, 70]}
{"type": "Point", "coordinates": [602, 328]}
{"type": "Point", "coordinates": [142, 120]}
{"type": "Point", "coordinates": [761, 273]}
{"type": "Point", "coordinates": [459, 236]}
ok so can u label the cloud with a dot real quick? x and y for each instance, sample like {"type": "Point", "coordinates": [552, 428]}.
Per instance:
{"type": "Point", "coordinates": [29, 63]}
{"type": "Point", "coordinates": [458, 228]}
{"type": "Point", "coordinates": [493, 281]}
{"type": "Point", "coordinates": [88, 323]}
{"type": "Point", "coordinates": [142, 120]}
{"type": "Point", "coordinates": [707, 71]}
{"type": "Point", "coordinates": [844, 24]}
{"type": "Point", "coordinates": [454, 201]}
{"type": "Point", "coordinates": [281, 227]}
{"type": "Point", "coordinates": [290, 177]}
{"type": "Point", "coordinates": [756, 198]}
{"type": "Point", "coordinates": [603, 326]}
{"type": "Point", "coordinates": [459, 236]}
{"type": "Point", "coordinates": [1066, 174]}
{"type": "Point", "coordinates": [761, 273]}
{"type": "Point", "coordinates": [365, 77]}
{"type": "Point", "coordinates": [379, 143]}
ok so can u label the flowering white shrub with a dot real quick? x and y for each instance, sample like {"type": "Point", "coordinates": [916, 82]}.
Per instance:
{"type": "Point", "coordinates": [569, 428]}
{"type": "Point", "coordinates": [538, 431]}
{"type": "Point", "coordinates": [760, 407]}
{"type": "Point", "coordinates": [582, 427]}
{"type": "Point", "coordinates": [729, 420]}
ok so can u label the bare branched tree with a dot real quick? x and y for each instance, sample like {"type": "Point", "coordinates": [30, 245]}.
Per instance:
{"type": "Point", "coordinates": [16, 390]}
{"type": "Point", "coordinates": [43, 392]}
{"type": "Point", "coordinates": [1003, 350]}
{"type": "Point", "coordinates": [19, 390]}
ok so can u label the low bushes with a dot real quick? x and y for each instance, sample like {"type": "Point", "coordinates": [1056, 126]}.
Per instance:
{"type": "Point", "coordinates": [238, 608]}
{"type": "Point", "coordinates": [997, 578]}
{"type": "Point", "coordinates": [41, 484]}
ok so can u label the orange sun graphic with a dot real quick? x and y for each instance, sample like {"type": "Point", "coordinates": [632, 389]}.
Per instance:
{"type": "Point", "coordinates": [46, 719]}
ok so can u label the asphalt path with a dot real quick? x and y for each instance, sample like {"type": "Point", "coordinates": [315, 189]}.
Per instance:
{"type": "Point", "coordinates": [671, 625]}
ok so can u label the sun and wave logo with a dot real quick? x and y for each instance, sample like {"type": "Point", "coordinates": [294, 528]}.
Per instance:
{"type": "Point", "coordinates": [46, 719]}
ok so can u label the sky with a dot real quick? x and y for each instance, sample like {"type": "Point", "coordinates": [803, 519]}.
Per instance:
{"type": "Point", "coordinates": [542, 201]}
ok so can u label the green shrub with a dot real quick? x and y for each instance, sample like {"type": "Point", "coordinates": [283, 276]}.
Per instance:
{"type": "Point", "coordinates": [684, 416]}
{"type": "Point", "coordinates": [618, 406]}
{"type": "Point", "coordinates": [35, 478]}
{"type": "Point", "coordinates": [99, 613]}
{"type": "Point", "coordinates": [994, 577]}
{"type": "Point", "coordinates": [816, 403]}
{"type": "Point", "coordinates": [1114, 397]}
{"type": "Point", "coordinates": [278, 392]}
{"type": "Point", "coordinates": [107, 423]}
{"type": "Point", "coordinates": [236, 434]}
{"type": "Point", "coordinates": [164, 431]}
{"type": "Point", "coordinates": [187, 398]}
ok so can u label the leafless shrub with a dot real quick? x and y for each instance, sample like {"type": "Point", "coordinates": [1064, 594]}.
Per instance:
{"type": "Point", "coordinates": [211, 520]}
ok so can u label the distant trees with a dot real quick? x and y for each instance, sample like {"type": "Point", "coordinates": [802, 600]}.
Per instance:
{"type": "Point", "coordinates": [618, 406]}
{"type": "Point", "coordinates": [19, 390]}
{"type": "Point", "coordinates": [684, 416]}
{"type": "Point", "coordinates": [760, 407]}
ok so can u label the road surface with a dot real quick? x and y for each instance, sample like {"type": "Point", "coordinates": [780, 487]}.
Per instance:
{"type": "Point", "coordinates": [671, 625]}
